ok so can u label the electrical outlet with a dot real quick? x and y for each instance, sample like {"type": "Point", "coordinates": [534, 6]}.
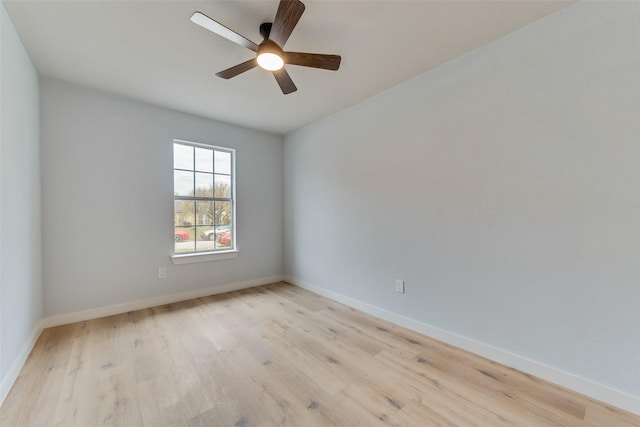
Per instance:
{"type": "Point", "coordinates": [162, 273]}
{"type": "Point", "coordinates": [400, 286]}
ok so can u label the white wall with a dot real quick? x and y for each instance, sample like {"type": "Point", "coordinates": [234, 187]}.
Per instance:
{"type": "Point", "coordinates": [20, 230]}
{"type": "Point", "coordinates": [504, 187]}
{"type": "Point", "coordinates": [107, 200]}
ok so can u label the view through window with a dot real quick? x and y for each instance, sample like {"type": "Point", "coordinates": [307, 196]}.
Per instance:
{"type": "Point", "coordinates": [203, 194]}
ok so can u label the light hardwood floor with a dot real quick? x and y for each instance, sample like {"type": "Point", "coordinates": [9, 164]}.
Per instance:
{"type": "Point", "coordinates": [275, 355]}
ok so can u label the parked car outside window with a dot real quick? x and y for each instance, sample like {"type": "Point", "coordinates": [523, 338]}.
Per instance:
{"type": "Point", "coordinates": [211, 234]}
{"type": "Point", "coordinates": [224, 238]}
{"type": "Point", "coordinates": [180, 235]}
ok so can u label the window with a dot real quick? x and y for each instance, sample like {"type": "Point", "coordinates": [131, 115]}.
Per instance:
{"type": "Point", "coordinates": [203, 198]}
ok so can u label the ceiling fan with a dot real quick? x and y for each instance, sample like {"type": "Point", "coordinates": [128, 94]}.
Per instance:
{"type": "Point", "coordinates": [269, 53]}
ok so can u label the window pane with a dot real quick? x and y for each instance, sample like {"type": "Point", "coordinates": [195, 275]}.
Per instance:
{"type": "Point", "coordinates": [223, 214]}
{"type": "Point", "coordinates": [223, 186]}
{"type": "Point", "coordinates": [183, 213]}
{"type": "Point", "coordinates": [179, 211]}
{"type": "Point", "coordinates": [204, 213]}
{"type": "Point", "coordinates": [182, 183]}
{"type": "Point", "coordinates": [223, 162]}
{"type": "Point", "coordinates": [182, 156]}
{"type": "Point", "coordinates": [205, 238]}
{"type": "Point", "coordinates": [184, 240]}
{"type": "Point", "coordinates": [183, 216]}
{"type": "Point", "coordinates": [204, 184]}
{"type": "Point", "coordinates": [204, 160]}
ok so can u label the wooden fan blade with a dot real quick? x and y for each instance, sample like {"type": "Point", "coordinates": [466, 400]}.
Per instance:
{"type": "Point", "coordinates": [238, 69]}
{"type": "Point", "coordinates": [205, 22]}
{"type": "Point", "coordinates": [315, 60]}
{"type": "Point", "coordinates": [284, 80]}
{"type": "Point", "coordinates": [287, 16]}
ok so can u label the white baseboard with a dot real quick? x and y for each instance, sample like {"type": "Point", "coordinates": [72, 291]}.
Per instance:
{"type": "Point", "coordinates": [94, 313]}
{"type": "Point", "coordinates": [570, 381]}
{"type": "Point", "coordinates": [18, 363]}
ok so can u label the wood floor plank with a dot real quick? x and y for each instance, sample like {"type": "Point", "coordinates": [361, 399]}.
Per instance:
{"type": "Point", "coordinates": [276, 355]}
{"type": "Point", "coordinates": [415, 413]}
{"type": "Point", "coordinates": [446, 394]}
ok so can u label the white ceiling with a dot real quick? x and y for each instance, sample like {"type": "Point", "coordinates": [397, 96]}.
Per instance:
{"type": "Point", "coordinates": [151, 51]}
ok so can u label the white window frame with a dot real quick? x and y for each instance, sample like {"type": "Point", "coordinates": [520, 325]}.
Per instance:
{"type": "Point", "coordinates": [193, 257]}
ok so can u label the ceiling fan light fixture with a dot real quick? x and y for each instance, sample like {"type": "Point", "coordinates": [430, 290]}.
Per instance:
{"type": "Point", "coordinates": [270, 61]}
{"type": "Point", "coordinates": [270, 56]}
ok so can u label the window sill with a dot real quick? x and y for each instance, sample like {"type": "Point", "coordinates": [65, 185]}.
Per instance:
{"type": "Point", "coordinates": [203, 257]}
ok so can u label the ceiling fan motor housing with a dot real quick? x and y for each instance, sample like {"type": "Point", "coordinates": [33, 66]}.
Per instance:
{"type": "Point", "coordinates": [269, 46]}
